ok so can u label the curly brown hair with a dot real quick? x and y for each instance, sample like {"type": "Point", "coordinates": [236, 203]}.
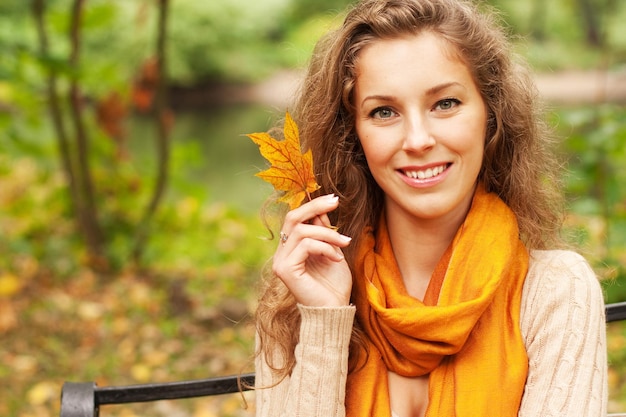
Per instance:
{"type": "Point", "coordinates": [518, 164]}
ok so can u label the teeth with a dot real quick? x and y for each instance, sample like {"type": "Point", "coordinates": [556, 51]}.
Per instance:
{"type": "Point", "coordinates": [428, 173]}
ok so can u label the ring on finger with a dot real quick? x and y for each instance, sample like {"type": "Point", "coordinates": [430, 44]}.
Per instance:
{"type": "Point", "coordinates": [283, 237]}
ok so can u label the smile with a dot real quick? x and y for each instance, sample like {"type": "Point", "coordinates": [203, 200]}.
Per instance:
{"type": "Point", "coordinates": [426, 173]}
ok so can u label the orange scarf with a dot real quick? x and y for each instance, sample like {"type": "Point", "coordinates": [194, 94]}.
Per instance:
{"type": "Point", "coordinates": [466, 334]}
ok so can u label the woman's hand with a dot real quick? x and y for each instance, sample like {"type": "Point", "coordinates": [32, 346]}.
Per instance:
{"type": "Point", "coordinates": [310, 261]}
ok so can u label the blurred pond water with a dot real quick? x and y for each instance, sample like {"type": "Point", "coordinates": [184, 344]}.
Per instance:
{"type": "Point", "coordinates": [211, 156]}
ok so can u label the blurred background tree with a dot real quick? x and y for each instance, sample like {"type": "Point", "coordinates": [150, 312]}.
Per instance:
{"type": "Point", "coordinates": [123, 271]}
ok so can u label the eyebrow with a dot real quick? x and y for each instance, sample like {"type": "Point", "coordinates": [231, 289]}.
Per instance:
{"type": "Point", "coordinates": [440, 87]}
{"type": "Point", "coordinates": [431, 91]}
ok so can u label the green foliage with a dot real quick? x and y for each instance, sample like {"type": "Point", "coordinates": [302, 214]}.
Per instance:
{"type": "Point", "coordinates": [595, 139]}
{"type": "Point", "coordinates": [553, 34]}
{"type": "Point", "coordinates": [212, 39]}
{"type": "Point", "coordinates": [301, 10]}
{"type": "Point", "coordinates": [240, 40]}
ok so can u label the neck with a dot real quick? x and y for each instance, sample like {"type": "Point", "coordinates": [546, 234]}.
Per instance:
{"type": "Point", "coordinates": [418, 247]}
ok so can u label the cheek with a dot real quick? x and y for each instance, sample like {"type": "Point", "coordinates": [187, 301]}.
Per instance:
{"type": "Point", "coordinates": [364, 139]}
{"type": "Point", "coordinates": [474, 139]}
{"type": "Point", "coordinates": [373, 147]}
{"type": "Point", "coordinates": [479, 158]}
{"type": "Point", "coordinates": [368, 146]}
{"type": "Point", "coordinates": [372, 151]}
{"type": "Point", "coordinates": [475, 148]}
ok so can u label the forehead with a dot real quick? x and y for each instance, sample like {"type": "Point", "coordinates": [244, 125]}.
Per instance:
{"type": "Point", "coordinates": [420, 60]}
{"type": "Point", "coordinates": [437, 42]}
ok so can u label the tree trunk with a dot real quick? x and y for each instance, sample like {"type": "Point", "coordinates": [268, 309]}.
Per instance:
{"type": "Point", "coordinates": [590, 14]}
{"type": "Point", "coordinates": [87, 208]}
{"type": "Point", "coordinates": [162, 120]}
{"type": "Point", "coordinates": [538, 20]}
{"type": "Point", "coordinates": [75, 168]}
{"type": "Point", "coordinates": [54, 107]}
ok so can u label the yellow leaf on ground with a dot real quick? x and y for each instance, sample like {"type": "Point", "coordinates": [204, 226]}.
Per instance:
{"type": "Point", "coordinates": [8, 317]}
{"type": "Point", "coordinates": [90, 310]}
{"type": "Point", "coordinates": [24, 364]}
{"type": "Point", "coordinates": [141, 372]}
{"type": "Point", "coordinates": [126, 412]}
{"type": "Point", "coordinates": [43, 392]}
{"type": "Point", "coordinates": [9, 285]}
{"type": "Point", "coordinates": [232, 404]}
{"type": "Point", "coordinates": [205, 408]}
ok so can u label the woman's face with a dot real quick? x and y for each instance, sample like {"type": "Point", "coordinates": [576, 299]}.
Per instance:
{"type": "Point", "coordinates": [422, 123]}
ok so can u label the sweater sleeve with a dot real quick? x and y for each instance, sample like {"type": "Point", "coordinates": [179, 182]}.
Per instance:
{"type": "Point", "coordinates": [563, 324]}
{"type": "Point", "coordinates": [317, 385]}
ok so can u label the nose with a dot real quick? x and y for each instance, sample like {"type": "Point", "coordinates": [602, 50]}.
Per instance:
{"type": "Point", "coordinates": [417, 135]}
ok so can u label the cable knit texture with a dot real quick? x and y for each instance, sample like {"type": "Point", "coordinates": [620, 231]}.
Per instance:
{"type": "Point", "coordinates": [562, 322]}
{"type": "Point", "coordinates": [317, 386]}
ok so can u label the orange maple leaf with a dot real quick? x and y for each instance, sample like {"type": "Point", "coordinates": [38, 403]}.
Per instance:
{"type": "Point", "coordinates": [291, 170]}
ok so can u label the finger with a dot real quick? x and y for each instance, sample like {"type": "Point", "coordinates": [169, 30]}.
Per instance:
{"type": "Point", "coordinates": [292, 266]}
{"type": "Point", "coordinates": [310, 210]}
{"type": "Point", "coordinates": [316, 248]}
{"type": "Point", "coordinates": [322, 220]}
{"type": "Point", "coordinates": [316, 232]}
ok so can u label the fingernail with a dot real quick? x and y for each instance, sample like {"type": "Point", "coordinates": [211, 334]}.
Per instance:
{"type": "Point", "coordinates": [331, 198]}
{"type": "Point", "coordinates": [345, 238]}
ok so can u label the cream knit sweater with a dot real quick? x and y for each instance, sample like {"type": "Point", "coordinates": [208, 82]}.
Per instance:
{"type": "Point", "coordinates": [562, 322]}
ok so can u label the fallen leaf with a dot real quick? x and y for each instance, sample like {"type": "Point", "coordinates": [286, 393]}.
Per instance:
{"type": "Point", "coordinates": [8, 316]}
{"type": "Point", "coordinates": [231, 405]}
{"type": "Point", "coordinates": [9, 285]}
{"type": "Point", "coordinates": [141, 372]}
{"type": "Point", "coordinates": [291, 170]}
{"type": "Point", "coordinates": [89, 310]}
{"type": "Point", "coordinates": [43, 392]}
{"type": "Point", "coordinates": [205, 408]}
{"type": "Point", "coordinates": [24, 364]}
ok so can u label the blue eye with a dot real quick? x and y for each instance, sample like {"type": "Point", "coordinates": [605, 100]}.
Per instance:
{"type": "Point", "coordinates": [447, 104]}
{"type": "Point", "coordinates": [382, 113]}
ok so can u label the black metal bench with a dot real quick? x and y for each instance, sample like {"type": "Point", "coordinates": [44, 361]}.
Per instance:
{"type": "Point", "coordinates": [83, 399]}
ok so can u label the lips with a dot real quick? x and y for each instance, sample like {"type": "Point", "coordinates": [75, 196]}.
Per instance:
{"type": "Point", "coordinates": [426, 173]}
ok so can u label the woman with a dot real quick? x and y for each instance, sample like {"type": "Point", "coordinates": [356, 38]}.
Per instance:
{"type": "Point", "coordinates": [441, 293]}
